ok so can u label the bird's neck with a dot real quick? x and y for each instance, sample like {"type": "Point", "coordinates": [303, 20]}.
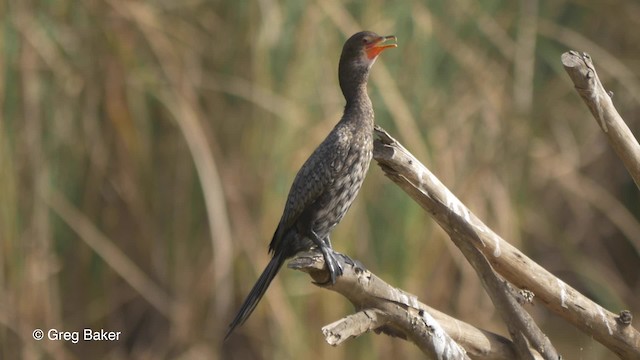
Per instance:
{"type": "Point", "coordinates": [359, 106]}
{"type": "Point", "coordinates": [353, 79]}
{"type": "Point", "coordinates": [354, 89]}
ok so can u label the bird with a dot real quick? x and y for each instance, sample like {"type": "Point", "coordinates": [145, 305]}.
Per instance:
{"type": "Point", "coordinates": [329, 180]}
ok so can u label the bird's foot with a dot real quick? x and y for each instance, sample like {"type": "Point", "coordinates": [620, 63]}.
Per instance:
{"type": "Point", "coordinates": [332, 263]}
{"type": "Point", "coordinates": [330, 259]}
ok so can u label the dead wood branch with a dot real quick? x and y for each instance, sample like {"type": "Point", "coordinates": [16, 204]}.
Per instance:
{"type": "Point", "coordinates": [527, 336]}
{"type": "Point", "coordinates": [583, 74]}
{"type": "Point", "coordinates": [383, 308]}
{"type": "Point", "coordinates": [417, 181]}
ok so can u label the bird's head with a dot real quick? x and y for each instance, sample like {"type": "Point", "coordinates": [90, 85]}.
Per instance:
{"type": "Point", "coordinates": [363, 48]}
{"type": "Point", "coordinates": [359, 52]}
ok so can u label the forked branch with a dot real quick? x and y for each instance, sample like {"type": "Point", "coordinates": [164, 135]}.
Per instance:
{"type": "Point", "coordinates": [417, 181]}
{"type": "Point", "coordinates": [382, 308]}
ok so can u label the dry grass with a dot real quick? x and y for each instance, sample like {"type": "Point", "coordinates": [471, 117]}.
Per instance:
{"type": "Point", "coordinates": [146, 149]}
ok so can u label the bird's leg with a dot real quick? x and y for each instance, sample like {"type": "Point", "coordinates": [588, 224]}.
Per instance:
{"type": "Point", "coordinates": [327, 241]}
{"type": "Point", "coordinates": [333, 265]}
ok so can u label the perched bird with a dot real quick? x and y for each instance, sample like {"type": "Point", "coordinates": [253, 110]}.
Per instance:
{"type": "Point", "coordinates": [329, 180]}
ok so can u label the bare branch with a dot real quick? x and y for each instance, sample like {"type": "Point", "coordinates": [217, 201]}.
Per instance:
{"type": "Point", "coordinates": [353, 326]}
{"type": "Point", "coordinates": [417, 181]}
{"type": "Point", "coordinates": [583, 74]}
{"type": "Point", "coordinates": [389, 310]}
{"type": "Point", "coordinates": [522, 327]}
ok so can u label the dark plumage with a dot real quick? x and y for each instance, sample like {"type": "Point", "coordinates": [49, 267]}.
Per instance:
{"type": "Point", "coordinates": [330, 179]}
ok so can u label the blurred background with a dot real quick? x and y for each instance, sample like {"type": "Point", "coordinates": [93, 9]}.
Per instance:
{"type": "Point", "coordinates": [147, 148]}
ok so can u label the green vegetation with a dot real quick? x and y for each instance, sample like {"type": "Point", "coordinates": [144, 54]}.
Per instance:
{"type": "Point", "coordinates": [147, 148]}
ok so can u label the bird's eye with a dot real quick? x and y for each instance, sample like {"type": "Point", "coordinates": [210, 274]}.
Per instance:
{"type": "Point", "coordinates": [365, 40]}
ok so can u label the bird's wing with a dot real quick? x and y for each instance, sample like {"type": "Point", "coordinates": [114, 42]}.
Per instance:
{"type": "Point", "coordinates": [313, 178]}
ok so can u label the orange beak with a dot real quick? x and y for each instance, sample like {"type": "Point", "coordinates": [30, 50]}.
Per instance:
{"type": "Point", "coordinates": [377, 46]}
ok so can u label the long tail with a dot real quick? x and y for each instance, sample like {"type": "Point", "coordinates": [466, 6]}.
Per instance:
{"type": "Point", "coordinates": [257, 292]}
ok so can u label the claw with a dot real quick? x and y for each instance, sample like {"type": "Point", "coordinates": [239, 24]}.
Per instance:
{"type": "Point", "coordinates": [330, 260]}
{"type": "Point", "coordinates": [332, 263]}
